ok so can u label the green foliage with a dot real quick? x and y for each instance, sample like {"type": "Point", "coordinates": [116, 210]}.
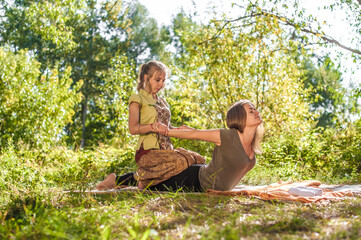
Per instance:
{"type": "Point", "coordinates": [147, 39]}
{"type": "Point", "coordinates": [23, 170]}
{"type": "Point", "coordinates": [320, 154]}
{"type": "Point", "coordinates": [227, 62]}
{"type": "Point", "coordinates": [327, 96]}
{"type": "Point", "coordinates": [302, 20]}
{"type": "Point", "coordinates": [34, 108]}
{"type": "Point", "coordinates": [109, 114]}
{"type": "Point", "coordinates": [86, 35]}
{"type": "Point", "coordinates": [214, 65]}
{"type": "Point", "coordinates": [35, 204]}
{"type": "Point", "coordinates": [40, 26]}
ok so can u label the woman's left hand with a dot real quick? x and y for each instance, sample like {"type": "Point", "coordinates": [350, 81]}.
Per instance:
{"type": "Point", "coordinates": [160, 128]}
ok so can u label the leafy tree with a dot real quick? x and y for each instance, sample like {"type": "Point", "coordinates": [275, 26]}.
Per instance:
{"type": "Point", "coordinates": [86, 35]}
{"type": "Point", "coordinates": [287, 20]}
{"type": "Point", "coordinates": [147, 39]}
{"type": "Point", "coordinates": [299, 25]}
{"type": "Point", "coordinates": [182, 107]}
{"type": "Point", "coordinates": [91, 58]}
{"type": "Point", "coordinates": [110, 114]}
{"type": "Point", "coordinates": [295, 17]}
{"type": "Point", "coordinates": [34, 108]}
{"type": "Point", "coordinates": [327, 96]}
{"type": "Point", "coordinates": [40, 26]}
{"type": "Point", "coordinates": [246, 60]}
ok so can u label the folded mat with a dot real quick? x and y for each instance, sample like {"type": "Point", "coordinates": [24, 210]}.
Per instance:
{"type": "Point", "coordinates": [305, 191]}
{"type": "Point", "coordinates": [280, 191]}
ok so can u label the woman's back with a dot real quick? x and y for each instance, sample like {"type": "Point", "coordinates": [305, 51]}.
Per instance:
{"type": "Point", "coordinates": [229, 164]}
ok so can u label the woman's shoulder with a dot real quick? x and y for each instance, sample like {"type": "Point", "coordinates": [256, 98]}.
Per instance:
{"type": "Point", "coordinates": [228, 136]}
{"type": "Point", "coordinates": [229, 132]}
{"type": "Point", "coordinates": [134, 94]}
{"type": "Point", "coordinates": [135, 97]}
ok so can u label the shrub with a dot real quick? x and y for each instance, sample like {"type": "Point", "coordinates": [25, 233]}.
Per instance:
{"type": "Point", "coordinates": [34, 107]}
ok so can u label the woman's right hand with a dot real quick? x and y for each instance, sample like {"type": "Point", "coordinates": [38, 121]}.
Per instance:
{"type": "Point", "coordinates": [185, 127]}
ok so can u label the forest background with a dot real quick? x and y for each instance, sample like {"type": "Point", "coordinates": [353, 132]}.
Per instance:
{"type": "Point", "coordinates": [69, 67]}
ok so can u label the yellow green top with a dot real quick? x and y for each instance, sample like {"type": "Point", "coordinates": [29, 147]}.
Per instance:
{"type": "Point", "coordinates": [148, 115]}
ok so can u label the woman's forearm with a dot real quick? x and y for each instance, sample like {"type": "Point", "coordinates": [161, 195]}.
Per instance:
{"type": "Point", "coordinates": [195, 134]}
{"type": "Point", "coordinates": [183, 133]}
{"type": "Point", "coordinates": [140, 129]}
{"type": "Point", "coordinates": [145, 128]}
{"type": "Point", "coordinates": [181, 127]}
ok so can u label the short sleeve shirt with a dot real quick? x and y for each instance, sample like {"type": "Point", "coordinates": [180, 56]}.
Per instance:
{"type": "Point", "coordinates": [229, 164]}
{"type": "Point", "coordinates": [152, 110]}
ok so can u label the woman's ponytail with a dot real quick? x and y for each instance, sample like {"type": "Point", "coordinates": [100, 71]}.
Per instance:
{"type": "Point", "coordinates": [141, 79]}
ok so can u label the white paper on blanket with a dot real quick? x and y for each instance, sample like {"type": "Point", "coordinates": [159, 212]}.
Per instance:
{"type": "Point", "coordinates": [305, 191]}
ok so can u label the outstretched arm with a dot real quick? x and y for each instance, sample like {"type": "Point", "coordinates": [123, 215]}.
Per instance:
{"type": "Point", "coordinates": [181, 127]}
{"type": "Point", "coordinates": [213, 135]}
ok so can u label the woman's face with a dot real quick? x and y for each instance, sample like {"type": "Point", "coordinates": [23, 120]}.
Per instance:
{"type": "Point", "coordinates": [253, 116]}
{"type": "Point", "coordinates": [156, 82]}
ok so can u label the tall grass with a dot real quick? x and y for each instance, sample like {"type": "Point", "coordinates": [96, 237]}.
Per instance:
{"type": "Point", "coordinates": [34, 203]}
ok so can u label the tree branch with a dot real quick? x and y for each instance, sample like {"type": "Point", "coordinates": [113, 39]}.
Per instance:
{"type": "Point", "coordinates": [315, 33]}
{"type": "Point", "coordinates": [287, 50]}
{"type": "Point", "coordinates": [289, 23]}
{"type": "Point", "coordinates": [228, 22]}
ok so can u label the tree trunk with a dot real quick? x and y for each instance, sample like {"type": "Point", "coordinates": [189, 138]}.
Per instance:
{"type": "Point", "coordinates": [83, 118]}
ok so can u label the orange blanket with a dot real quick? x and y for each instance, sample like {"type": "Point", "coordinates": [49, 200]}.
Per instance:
{"type": "Point", "coordinates": [279, 191]}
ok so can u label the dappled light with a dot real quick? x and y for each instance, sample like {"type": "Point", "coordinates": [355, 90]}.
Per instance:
{"type": "Point", "coordinates": [68, 69]}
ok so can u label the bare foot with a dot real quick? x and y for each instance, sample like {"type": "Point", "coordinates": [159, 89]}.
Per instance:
{"type": "Point", "coordinates": [140, 186]}
{"type": "Point", "coordinates": [107, 183]}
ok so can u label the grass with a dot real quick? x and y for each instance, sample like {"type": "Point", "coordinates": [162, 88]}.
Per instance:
{"type": "Point", "coordinates": [34, 206]}
{"type": "Point", "coordinates": [177, 216]}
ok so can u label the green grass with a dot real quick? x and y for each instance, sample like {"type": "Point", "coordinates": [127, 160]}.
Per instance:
{"type": "Point", "coordinates": [33, 204]}
{"type": "Point", "coordinates": [176, 216]}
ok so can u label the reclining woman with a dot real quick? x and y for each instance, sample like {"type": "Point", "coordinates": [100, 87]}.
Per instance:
{"type": "Point", "coordinates": [233, 156]}
{"type": "Point", "coordinates": [156, 159]}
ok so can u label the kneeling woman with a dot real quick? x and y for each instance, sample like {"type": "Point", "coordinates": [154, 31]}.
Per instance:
{"type": "Point", "coordinates": [233, 156]}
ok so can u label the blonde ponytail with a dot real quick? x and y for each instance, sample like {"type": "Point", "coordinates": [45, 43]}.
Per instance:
{"type": "Point", "coordinates": [141, 79]}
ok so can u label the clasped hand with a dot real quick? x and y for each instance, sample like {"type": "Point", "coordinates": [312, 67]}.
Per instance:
{"type": "Point", "coordinates": [160, 128]}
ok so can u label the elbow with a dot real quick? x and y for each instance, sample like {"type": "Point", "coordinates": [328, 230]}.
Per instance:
{"type": "Point", "coordinates": [132, 131]}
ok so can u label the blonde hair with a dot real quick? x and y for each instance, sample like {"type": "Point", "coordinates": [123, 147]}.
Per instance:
{"type": "Point", "coordinates": [149, 69]}
{"type": "Point", "coordinates": [236, 118]}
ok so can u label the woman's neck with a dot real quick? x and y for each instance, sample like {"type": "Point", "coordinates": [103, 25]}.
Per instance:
{"type": "Point", "coordinates": [247, 138]}
{"type": "Point", "coordinates": [248, 135]}
{"type": "Point", "coordinates": [154, 95]}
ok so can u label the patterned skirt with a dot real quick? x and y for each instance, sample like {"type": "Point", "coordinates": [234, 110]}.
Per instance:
{"type": "Point", "coordinates": [156, 166]}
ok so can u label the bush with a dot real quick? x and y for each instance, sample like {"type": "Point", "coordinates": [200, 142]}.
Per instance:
{"type": "Point", "coordinates": [34, 108]}
{"type": "Point", "coordinates": [330, 154]}
{"type": "Point", "coordinates": [24, 172]}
